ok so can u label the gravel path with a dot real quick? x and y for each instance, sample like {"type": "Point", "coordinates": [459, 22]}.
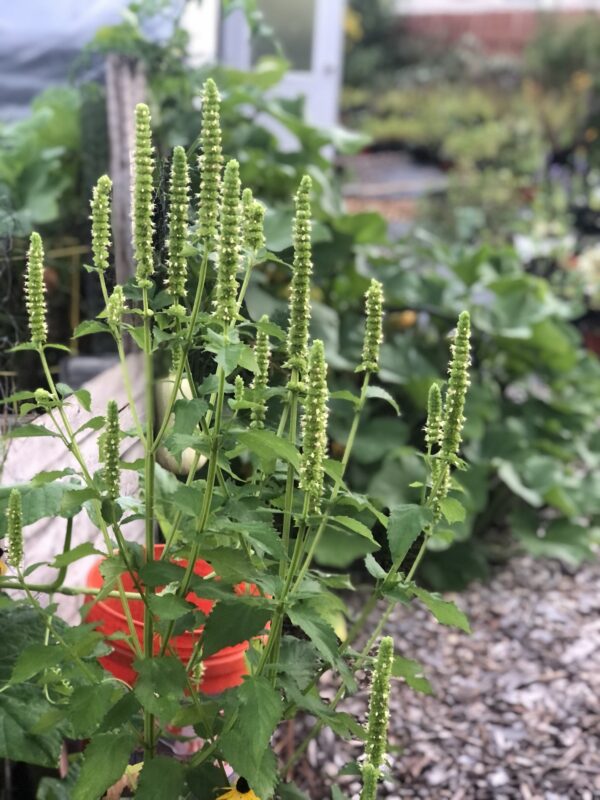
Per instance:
{"type": "Point", "coordinates": [516, 705]}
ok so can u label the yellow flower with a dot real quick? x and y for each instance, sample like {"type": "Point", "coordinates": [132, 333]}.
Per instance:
{"type": "Point", "coordinates": [241, 791]}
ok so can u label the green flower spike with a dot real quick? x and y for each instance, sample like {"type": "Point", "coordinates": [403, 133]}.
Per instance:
{"type": "Point", "coordinates": [178, 225]}
{"type": "Point", "coordinates": [229, 247]}
{"type": "Point", "coordinates": [34, 291]}
{"type": "Point", "coordinates": [370, 777]}
{"type": "Point", "coordinates": [238, 389]}
{"type": "Point", "coordinates": [254, 218]}
{"type": "Point", "coordinates": [211, 164]}
{"type": "Point", "coordinates": [379, 702]}
{"type": "Point", "coordinates": [101, 222]}
{"type": "Point", "coordinates": [314, 426]}
{"type": "Point", "coordinates": [262, 353]}
{"type": "Point", "coordinates": [297, 338]}
{"type": "Point", "coordinates": [116, 307]}
{"type": "Point", "coordinates": [109, 451]}
{"type": "Point", "coordinates": [14, 525]}
{"type": "Point", "coordinates": [373, 328]}
{"type": "Point", "coordinates": [458, 383]}
{"type": "Point", "coordinates": [433, 426]}
{"type": "Point", "coordinates": [143, 205]}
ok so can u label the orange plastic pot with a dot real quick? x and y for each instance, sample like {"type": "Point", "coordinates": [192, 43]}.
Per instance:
{"type": "Point", "coordinates": [223, 670]}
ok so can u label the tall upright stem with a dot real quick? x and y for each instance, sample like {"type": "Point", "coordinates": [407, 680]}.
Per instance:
{"type": "Point", "coordinates": [149, 739]}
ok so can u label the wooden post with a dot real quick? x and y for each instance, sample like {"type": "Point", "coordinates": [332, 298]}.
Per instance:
{"type": "Point", "coordinates": [125, 88]}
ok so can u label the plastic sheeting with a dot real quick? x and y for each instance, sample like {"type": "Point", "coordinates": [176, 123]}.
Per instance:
{"type": "Point", "coordinates": [41, 39]}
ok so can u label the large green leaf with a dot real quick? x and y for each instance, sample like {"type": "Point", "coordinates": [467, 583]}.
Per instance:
{"type": "Point", "coordinates": [319, 632]}
{"type": "Point", "coordinates": [21, 706]}
{"type": "Point", "coordinates": [160, 685]}
{"type": "Point", "coordinates": [232, 623]}
{"type": "Point", "coordinates": [161, 778]}
{"type": "Point", "coordinates": [407, 521]}
{"type": "Point", "coordinates": [267, 445]}
{"type": "Point", "coordinates": [246, 747]}
{"type": "Point", "coordinates": [104, 762]}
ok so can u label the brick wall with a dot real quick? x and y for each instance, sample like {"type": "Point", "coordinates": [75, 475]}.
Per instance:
{"type": "Point", "coordinates": [498, 31]}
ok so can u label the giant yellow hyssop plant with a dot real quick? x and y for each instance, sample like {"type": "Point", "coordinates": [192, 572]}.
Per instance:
{"type": "Point", "coordinates": [246, 486]}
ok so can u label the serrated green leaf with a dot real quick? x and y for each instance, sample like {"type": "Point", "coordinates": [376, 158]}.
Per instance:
{"type": "Point", "coordinates": [21, 707]}
{"type": "Point", "coordinates": [28, 430]}
{"type": "Point", "coordinates": [203, 781]}
{"type": "Point", "coordinates": [137, 334]}
{"type": "Point", "coordinates": [84, 398]}
{"type": "Point", "coordinates": [412, 672]}
{"type": "Point", "coordinates": [73, 500]}
{"type": "Point", "coordinates": [406, 522]}
{"type": "Point", "coordinates": [443, 610]}
{"type": "Point", "coordinates": [246, 747]}
{"type": "Point", "coordinates": [267, 445]}
{"type": "Point", "coordinates": [89, 326]}
{"type": "Point", "coordinates": [88, 706]}
{"type": "Point", "coordinates": [104, 762]}
{"type": "Point", "coordinates": [188, 414]}
{"type": "Point", "coordinates": [169, 606]}
{"type": "Point", "coordinates": [232, 623]}
{"type": "Point", "coordinates": [34, 659]}
{"type": "Point", "coordinates": [93, 424]}
{"type": "Point", "coordinates": [356, 526]}
{"type": "Point", "coordinates": [320, 633]}
{"type": "Point", "coordinates": [161, 778]}
{"type": "Point", "coordinates": [160, 685]}
{"type": "Point", "coordinates": [453, 510]}
{"type": "Point", "coordinates": [81, 551]}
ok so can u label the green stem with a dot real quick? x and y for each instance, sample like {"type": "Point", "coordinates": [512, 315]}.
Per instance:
{"type": "Point", "coordinates": [207, 499]}
{"type": "Point", "coordinates": [186, 348]}
{"type": "Point", "coordinates": [124, 371]}
{"type": "Point", "coordinates": [271, 651]}
{"type": "Point", "coordinates": [290, 479]}
{"type": "Point", "coordinates": [149, 732]}
{"type": "Point", "coordinates": [70, 591]}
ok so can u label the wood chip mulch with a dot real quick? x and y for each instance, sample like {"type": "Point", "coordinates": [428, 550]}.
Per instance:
{"type": "Point", "coordinates": [516, 706]}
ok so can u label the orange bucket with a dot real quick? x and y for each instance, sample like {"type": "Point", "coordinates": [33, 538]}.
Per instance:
{"type": "Point", "coordinates": [222, 670]}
